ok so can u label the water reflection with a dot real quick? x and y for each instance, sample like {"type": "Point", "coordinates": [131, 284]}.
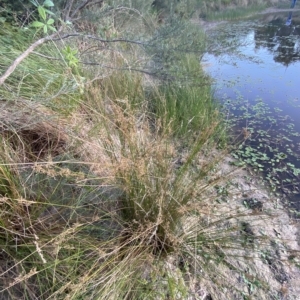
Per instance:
{"type": "Point", "coordinates": [281, 40]}
{"type": "Point", "coordinates": [249, 61]}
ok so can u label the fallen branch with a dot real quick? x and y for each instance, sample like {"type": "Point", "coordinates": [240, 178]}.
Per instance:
{"type": "Point", "coordinates": [19, 59]}
{"type": "Point", "coordinates": [39, 42]}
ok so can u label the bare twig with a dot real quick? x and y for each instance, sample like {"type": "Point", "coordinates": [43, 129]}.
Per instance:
{"type": "Point", "coordinates": [68, 7]}
{"type": "Point", "coordinates": [83, 5]}
{"type": "Point", "coordinates": [101, 65]}
{"type": "Point", "coordinates": [54, 37]}
{"type": "Point", "coordinates": [99, 39]}
{"type": "Point", "coordinates": [46, 56]}
{"type": "Point", "coordinates": [70, 15]}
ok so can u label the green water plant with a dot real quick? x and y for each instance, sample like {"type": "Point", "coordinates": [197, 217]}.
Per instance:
{"type": "Point", "coordinates": [268, 148]}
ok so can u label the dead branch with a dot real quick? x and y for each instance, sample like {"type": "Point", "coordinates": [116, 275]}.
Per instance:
{"type": "Point", "coordinates": [85, 4]}
{"type": "Point", "coordinates": [76, 34]}
{"type": "Point", "coordinates": [21, 57]}
{"type": "Point", "coordinates": [52, 37]}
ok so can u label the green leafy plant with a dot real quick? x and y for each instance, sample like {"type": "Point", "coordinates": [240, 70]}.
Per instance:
{"type": "Point", "coordinates": [70, 56]}
{"type": "Point", "coordinates": [45, 23]}
{"type": "Point", "coordinates": [268, 152]}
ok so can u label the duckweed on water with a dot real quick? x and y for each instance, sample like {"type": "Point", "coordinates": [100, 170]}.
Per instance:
{"type": "Point", "coordinates": [265, 144]}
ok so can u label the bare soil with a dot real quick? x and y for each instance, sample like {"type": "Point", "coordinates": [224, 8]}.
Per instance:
{"type": "Point", "coordinates": [281, 267]}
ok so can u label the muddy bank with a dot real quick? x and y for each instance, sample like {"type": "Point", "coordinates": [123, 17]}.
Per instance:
{"type": "Point", "coordinates": [277, 261]}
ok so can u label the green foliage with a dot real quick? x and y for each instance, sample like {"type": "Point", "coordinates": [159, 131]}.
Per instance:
{"type": "Point", "coordinates": [186, 105]}
{"type": "Point", "coordinates": [17, 12]}
{"type": "Point", "coordinates": [36, 75]}
{"type": "Point", "coordinates": [70, 57]}
{"type": "Point", "coordinates": [46, 23]}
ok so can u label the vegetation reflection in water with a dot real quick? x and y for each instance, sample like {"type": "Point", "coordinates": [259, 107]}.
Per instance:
{"type": "Point", "coordinates": [265, 126]}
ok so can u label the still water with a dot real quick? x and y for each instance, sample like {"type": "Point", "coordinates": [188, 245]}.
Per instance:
{"type": "Point", "coordinates": [255, 65]}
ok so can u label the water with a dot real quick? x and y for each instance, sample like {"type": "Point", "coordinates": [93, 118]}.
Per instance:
{"type": "Point", "coordinates": [256, 67]}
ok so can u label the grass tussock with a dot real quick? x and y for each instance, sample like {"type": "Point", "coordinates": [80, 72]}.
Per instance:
{"type": "Point", "coordinates": [110, 184]}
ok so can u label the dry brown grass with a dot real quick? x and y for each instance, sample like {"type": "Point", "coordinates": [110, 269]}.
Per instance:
{"type": "Point", "coordinates": [151, 225]}
{"type": "Point", "coordinates": [32, 130]}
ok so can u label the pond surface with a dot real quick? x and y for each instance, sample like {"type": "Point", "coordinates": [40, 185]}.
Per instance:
{"type": "Point", "coordinates": [256, 67]}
